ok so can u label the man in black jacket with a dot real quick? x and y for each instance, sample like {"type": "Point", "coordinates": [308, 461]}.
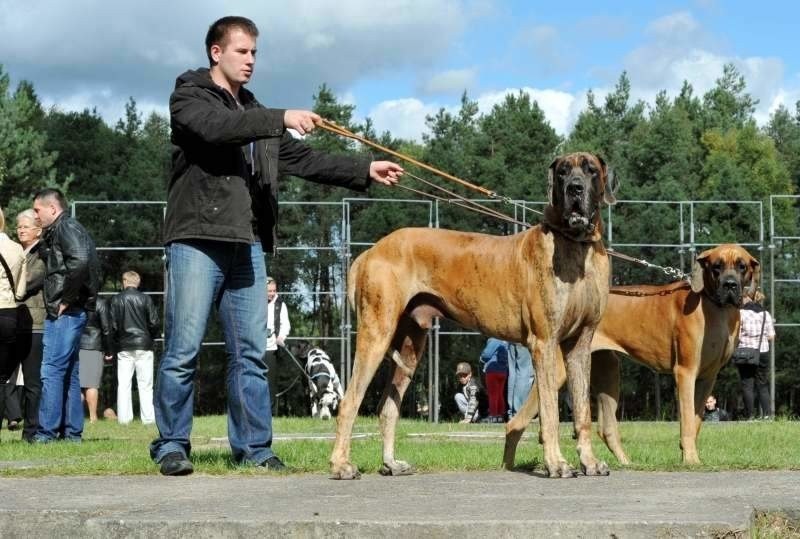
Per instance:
{"type": "Point", "coordinates": [229, 153]}
{"type": "Point", "coordinates": [72, 279]}
{"type": "Point", "coordinates": [135, 324]}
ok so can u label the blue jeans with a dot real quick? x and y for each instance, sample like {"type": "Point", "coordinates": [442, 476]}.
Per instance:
{"type": "Point", "coordinates": [60, 406]}
{"type": "Point", "coordinates": [232, 276]}
{"type": "Point", "coordinates": [520, 377]}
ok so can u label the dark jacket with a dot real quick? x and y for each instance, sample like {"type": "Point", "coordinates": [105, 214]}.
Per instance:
{"type": "Point", "coordinates": [72, 270]}
{"type": "Point", "coordinates": [212, 192]}
{"type": "Point", "coordinates": [134, 320]}
{"type": "Point", "coordinates": [97, 331]}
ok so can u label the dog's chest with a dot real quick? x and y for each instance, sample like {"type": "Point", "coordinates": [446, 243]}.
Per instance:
{"type": "Point", "coordinates": [582, 301]}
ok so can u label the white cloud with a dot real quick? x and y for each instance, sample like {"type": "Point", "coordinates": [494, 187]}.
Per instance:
{"type": "Point", "coordinates": [559, 107]}
{"type": "Point", "coordinates": [404, 118]}
{"type": "Point", "coordinates": [681, 49]}
{"type": "Point", "coordinates": [454, 81]}
{"type": "Point", "coordinates": [138, 49]}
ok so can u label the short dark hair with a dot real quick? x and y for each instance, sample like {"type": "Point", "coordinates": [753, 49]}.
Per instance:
{"type": "Point", "coordinates": [219, 30]}
{"type": "Point", "coordinates": [52, 194]}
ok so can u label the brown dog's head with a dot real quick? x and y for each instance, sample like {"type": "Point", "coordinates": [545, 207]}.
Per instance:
{"type": "Point", "coordinates": [577, 183]}
{"type": "Point", "coordinates": [726, 273]}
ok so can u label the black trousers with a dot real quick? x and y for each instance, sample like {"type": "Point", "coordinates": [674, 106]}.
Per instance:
{"type": "Point", "coordinates": [8, 358]}
{"type": "Point", "coordinates": [12, 400]}
{"type": "Point", "coordinates": [754, 380]}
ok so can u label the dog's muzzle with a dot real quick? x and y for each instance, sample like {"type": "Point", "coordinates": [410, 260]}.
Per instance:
{"type": "Point", "coordinates": [729, 291]}
{"type": "Point", "coordinates": [577, 212]}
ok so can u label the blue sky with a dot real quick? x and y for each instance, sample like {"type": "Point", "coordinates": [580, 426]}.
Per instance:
{"type": "Point", "coordinates": [397, 61]}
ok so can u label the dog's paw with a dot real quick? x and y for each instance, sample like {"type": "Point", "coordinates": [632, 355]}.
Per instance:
{"type": "Point", "coordinates": [397, 467]}
{"type": "Point", "coordinates": [346, 471]}
{"type": "Point", "coordinates": [562, 471]}
{"type": "Point", "coordinates": [600, 468]}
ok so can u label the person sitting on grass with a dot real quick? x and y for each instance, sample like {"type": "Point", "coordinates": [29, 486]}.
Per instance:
{"type": "Point", "coordinates": [471, 400]}
{"type": "Point", "coordinates": [712, 413]}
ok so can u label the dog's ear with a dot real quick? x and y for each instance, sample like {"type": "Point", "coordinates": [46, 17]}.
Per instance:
{"type": "Point", "coordinates": [551, 178]}
{"type": "Point", "coordinates": [612, 184]}
{"type": "Point", "coordinates": [755, 277]}
{"type": "Point", "coordinates": [697, 280]}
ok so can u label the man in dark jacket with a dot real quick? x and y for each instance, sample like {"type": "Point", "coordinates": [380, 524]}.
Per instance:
{"type": "Point", "coordinates": [72, 279]}
{"type": "Point", "coordinates": [135, 324]}
{"type": "Point", "coordinates": [229, 152]}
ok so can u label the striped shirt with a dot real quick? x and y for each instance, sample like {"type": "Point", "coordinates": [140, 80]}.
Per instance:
{"type": "Point", "coordinates": [750, 329]}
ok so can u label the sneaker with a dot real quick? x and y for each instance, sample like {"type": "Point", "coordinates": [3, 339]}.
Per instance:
{"type": "Point", "coordinates": [176, 463]}
{"type": "Point", "coordinates": [273, 464]}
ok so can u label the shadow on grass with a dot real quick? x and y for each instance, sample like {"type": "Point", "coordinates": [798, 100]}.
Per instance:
{"type": "Point", "coordinates": [215, 458]}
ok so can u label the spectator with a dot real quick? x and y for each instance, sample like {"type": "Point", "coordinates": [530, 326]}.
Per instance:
{"type": "Point", "coordinates": [520, 377]}
{"type": "Point", "coordinates": [278, 328]}
{"type": "Point", "coordinates": [13, 282]}
{"type": "Point", "coordinates": [13, 399]}
{"type": "Point", "coordinates": [71, 282]}
{"type": "Point", "coordinates": [471, 400]}
{"type": "Point", "coordinates": [756, 331]}
{"type": "Point", "coordinates": [712, 413]}
{"type": "Point", "coordinates": [229, 153]}
{"type": "Point", "coordinates": [136, 326]}
{"type": "Point", "coordinates": [30, 318]}
{"type": "Point", "coordinates": [494, 359]}
{"type": "Point", "coordinates": [95, 350]}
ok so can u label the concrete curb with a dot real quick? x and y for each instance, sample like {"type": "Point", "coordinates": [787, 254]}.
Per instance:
{"type": "Point", "coordinates": [491, 504]}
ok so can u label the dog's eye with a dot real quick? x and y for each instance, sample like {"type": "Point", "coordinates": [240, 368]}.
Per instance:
{"type": "Point", "coordinates": [716, 268]}
{"type": "Point", "coordinates": [742, 267]}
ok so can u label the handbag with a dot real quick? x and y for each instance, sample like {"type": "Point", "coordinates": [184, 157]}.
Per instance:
{"type": "Point", "coordinates": [750, 356]}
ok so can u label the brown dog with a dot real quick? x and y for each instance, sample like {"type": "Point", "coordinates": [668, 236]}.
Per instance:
{"type": "Point", "coordinates": [687, 329]}
{"type": "Point", "coordinates": [546, 287]}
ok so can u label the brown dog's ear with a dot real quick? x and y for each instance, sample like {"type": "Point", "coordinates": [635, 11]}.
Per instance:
{"type": "Point", "coordinates": [755, 277]}
{"type": "Point", "coordinates": [611, 183]}
{"type": "Point", "coordinates": [697, 280]}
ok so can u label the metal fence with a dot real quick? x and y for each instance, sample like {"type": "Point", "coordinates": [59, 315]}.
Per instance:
{"type": "Point", "coordinates": [691, 227]}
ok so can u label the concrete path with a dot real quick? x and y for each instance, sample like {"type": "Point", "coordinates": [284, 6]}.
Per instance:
{"type": "Point", "coordinates": [468, 504]}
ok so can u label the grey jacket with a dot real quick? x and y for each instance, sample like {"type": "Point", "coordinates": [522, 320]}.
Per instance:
{"type": "Point", "coordinates": [32, 312]}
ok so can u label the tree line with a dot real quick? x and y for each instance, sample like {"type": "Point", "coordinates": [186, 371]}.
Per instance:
{"type": "Point", "coordinates": [680, 147]}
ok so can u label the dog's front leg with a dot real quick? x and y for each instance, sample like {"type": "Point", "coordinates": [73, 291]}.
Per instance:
{"type": "Point", "coordinates": [685, 378]}
{"type": "Point", "coordinates": [545, 359]}
{"type": "Point", "coordinates": [578, 358]}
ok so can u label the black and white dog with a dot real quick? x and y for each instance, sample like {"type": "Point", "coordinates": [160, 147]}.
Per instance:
{"type": "Point", "coordinates": [324, 386]}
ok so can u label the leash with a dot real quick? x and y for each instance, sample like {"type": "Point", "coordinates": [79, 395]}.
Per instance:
{"type": "Point", "coordinates": [302, 370]}
{"type": "Point", "coordinates": [464, 202]}
{"type": "Point", "coordinates": [459, 200]}
{"type": "Point", "coordinates": [642, 293]}
{"type": "Point", "coordinates": [670, 271]}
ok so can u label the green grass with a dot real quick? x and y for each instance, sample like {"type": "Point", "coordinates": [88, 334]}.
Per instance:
{"type": "Point", "coordinates": [112, 449]}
